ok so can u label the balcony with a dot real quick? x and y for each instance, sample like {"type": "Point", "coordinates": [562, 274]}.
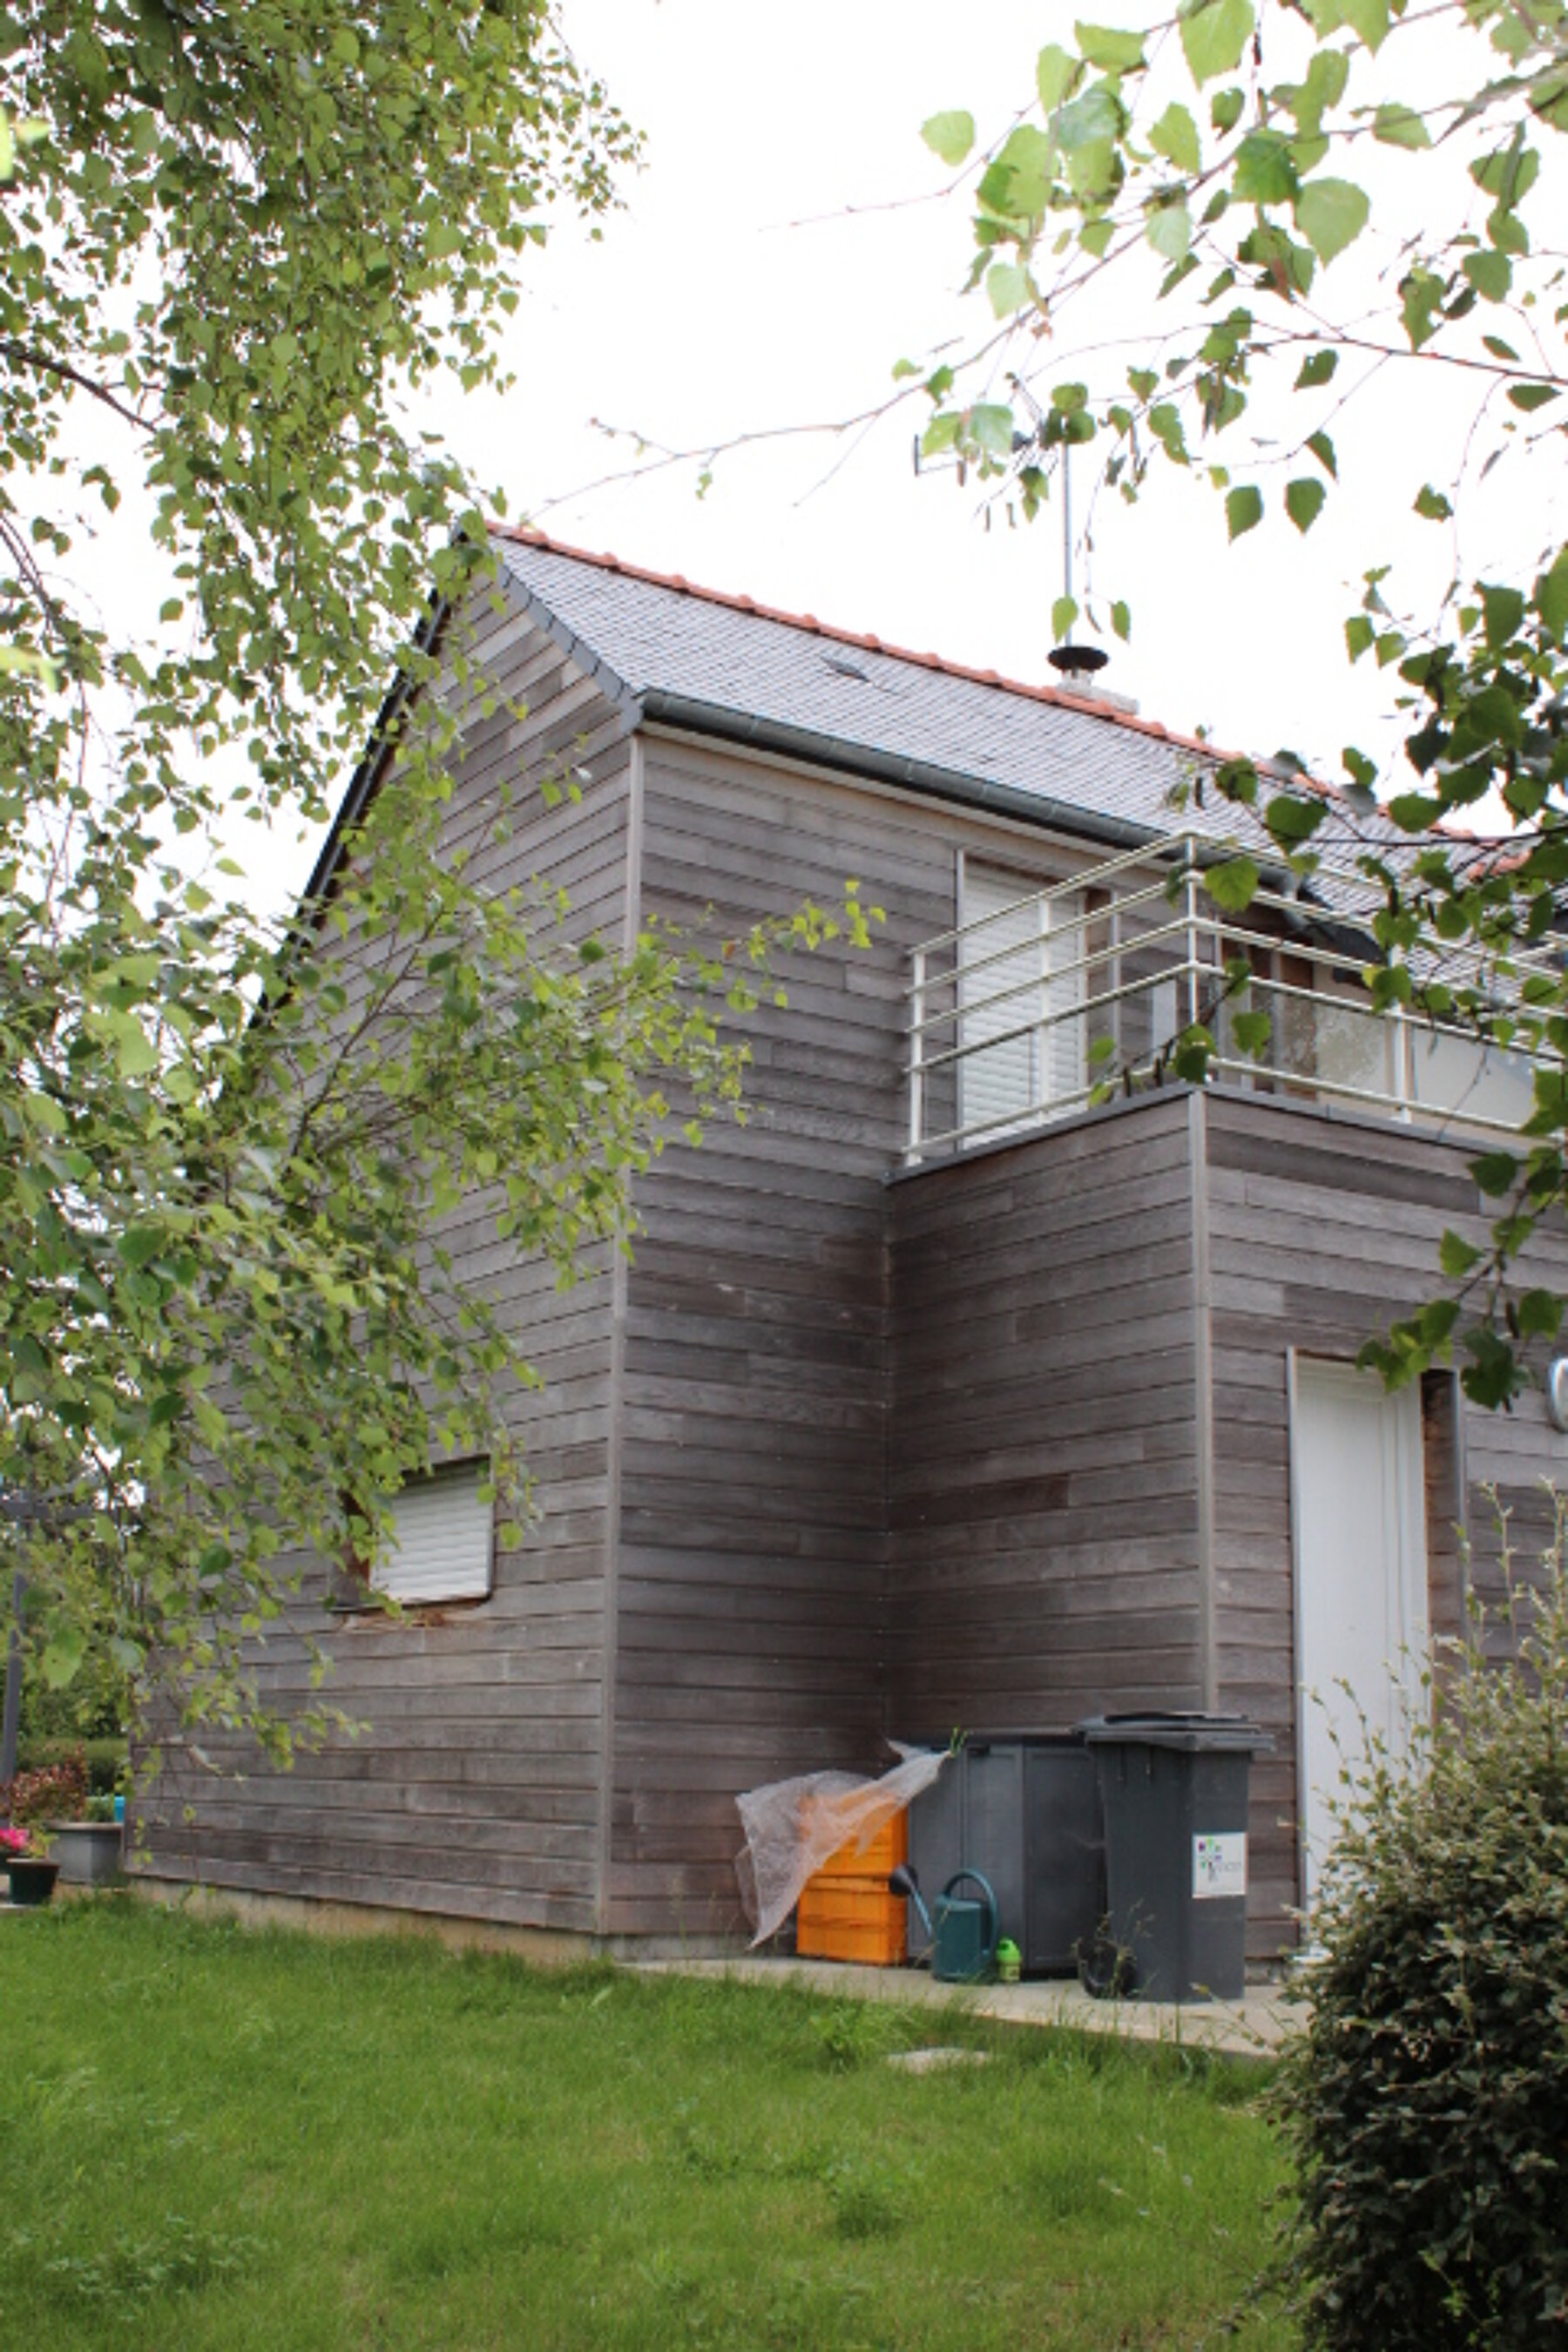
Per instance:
{"type": "Point", "coordinates": [1129, 976]}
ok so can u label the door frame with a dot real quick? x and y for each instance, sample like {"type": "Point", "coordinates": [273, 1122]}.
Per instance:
{"type": "Point", "coordinates": [1414, 1586]}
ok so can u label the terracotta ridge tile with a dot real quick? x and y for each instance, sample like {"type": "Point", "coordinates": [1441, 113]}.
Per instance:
{"type": "Point", "coordinates": [1061, 698]}
{"type": "Point", "coordinates": [527, 535]}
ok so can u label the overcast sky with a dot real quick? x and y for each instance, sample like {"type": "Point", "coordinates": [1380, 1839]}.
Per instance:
{"type": "Point", "coordinates": [783, 245]}
{"type": "Point", "coordinates": [707, 312]}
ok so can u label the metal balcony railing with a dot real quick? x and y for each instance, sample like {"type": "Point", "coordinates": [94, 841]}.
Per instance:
{"type": "Point", "coordinates": [1038, 1008]}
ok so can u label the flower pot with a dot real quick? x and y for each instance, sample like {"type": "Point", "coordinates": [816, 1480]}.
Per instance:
{"type": "Point", "coordinates": [32, 1881]}
{"type": "Point", "coordinates": [89, 1853]}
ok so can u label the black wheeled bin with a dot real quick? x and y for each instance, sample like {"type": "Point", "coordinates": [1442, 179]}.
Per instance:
{"type": "Point", "coordinates": [1022, 1807]}
{"type": "Point", "coordinates": [1174, 1793]}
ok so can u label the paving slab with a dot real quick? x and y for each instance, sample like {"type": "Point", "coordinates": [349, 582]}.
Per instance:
{"type": "Point", "coordinates": [1253, 2027]}
{"type": "Point", "coordinates": [934, 2060]}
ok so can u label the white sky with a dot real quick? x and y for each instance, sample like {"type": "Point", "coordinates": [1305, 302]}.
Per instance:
{"type": "Point", "coordinates": [707, 311]}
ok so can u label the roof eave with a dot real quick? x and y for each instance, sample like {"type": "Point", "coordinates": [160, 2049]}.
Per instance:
{"type": "Point", "coordinates": [689, 716]}
{"type": "Point", "coordinates": [367, 775]}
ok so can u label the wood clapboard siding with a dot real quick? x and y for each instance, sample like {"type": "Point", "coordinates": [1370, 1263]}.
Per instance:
{"type": "Point", "coordinates": [752, 1517]}
{"type": "Point", "coordinates": [753, 1633]}
{"type": "Point", "coordinates": [1000, 1442]}
{"type": "Point", "coordinates": [1322, 1228]}
{"type": "Point", "coordinates": [1443, 1469]}
{"type": "Point", "coordinates": [767, 1551]}
{"type": "Point", "coordinates": [1043, 1484]}
{"type": "Point", "coordinates": [475, 1787]}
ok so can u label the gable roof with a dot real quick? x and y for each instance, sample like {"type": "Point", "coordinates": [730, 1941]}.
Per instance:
{"type": "Point", "coordinates": [669, 651]}
{"type": "Point", "coordinates": [666, 651]}
{"type": "Point", "coordinates": [726, 666]}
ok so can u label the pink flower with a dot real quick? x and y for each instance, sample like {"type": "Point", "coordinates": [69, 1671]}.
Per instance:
{"type": "Point", "coordinates": [13, 1840]}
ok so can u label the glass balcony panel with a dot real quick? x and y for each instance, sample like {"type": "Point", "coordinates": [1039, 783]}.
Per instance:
{"type": "Point", "coordinates": [1469, 1080]}
{"type": "Point", "coordinates": [1355, 1048]}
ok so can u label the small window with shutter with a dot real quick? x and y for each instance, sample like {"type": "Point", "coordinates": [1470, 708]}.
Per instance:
{"type": "Point", "coordinates": [441, 1544]}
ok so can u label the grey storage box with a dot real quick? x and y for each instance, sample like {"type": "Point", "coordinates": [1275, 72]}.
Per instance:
{"type": "Point", "coordinates": [1023, 1808]}
{"type": "Point", "coordinates": [1173, 1795]}
{"type": "Point", "coordinates": [89, 1853]}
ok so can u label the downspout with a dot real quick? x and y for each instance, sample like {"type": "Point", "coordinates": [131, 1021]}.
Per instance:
{"type": "Point", "coordinates": [1202, 1395]}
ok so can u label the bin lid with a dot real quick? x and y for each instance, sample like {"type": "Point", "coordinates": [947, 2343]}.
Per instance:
{"type": "Point", "coordinates": [1068, 1736]}
{"type": "Point", "coordinates": [1195, 1733]}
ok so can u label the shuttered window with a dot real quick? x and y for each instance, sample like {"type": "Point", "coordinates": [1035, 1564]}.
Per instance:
{"type": "Point", "coordinates": [441, 1542]}
{"type": "Point", "coordinates": [1013, 974]}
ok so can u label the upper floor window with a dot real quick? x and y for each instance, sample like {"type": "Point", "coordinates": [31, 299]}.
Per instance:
{"type": "Point", "coordinates": [1021, 972]}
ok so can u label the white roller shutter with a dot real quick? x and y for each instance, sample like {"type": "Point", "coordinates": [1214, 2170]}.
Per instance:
{"type": "Point", "coordinates": [1010, 979]}
{"type": "Point", "coordinates": [441, 1543]}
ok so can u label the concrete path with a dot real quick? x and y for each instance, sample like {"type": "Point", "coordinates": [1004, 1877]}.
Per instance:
{"type": "Point", "coordinates": [1253, 2027]}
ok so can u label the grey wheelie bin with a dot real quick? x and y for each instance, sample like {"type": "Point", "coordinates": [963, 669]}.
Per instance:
{"type": "Point", "coordinates": [1173, 1791]}
{"type": "Point", "coordinates": [1022, 1807]}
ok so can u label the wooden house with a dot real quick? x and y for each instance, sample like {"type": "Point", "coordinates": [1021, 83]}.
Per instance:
{"type": "Point", "coordinates": [938, 1394]}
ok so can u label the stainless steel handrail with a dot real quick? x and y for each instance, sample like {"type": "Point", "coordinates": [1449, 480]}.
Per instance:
{"type": "Point", "coordinates": [1211, 942]}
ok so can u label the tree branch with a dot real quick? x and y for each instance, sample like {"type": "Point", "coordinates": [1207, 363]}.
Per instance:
{"type": "Point", "coordinates": [24, 355]}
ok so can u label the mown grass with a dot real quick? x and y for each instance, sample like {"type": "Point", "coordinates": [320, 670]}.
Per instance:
{"type": "Point", "coordinates": [212, 2139]}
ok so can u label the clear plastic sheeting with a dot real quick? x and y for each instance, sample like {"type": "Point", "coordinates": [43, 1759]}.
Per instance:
{"type": "Point", "coordinates": [792, 1827]}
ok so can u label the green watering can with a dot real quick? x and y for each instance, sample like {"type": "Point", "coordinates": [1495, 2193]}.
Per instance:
{"type": "Point", "coordinates": [963, 1933]}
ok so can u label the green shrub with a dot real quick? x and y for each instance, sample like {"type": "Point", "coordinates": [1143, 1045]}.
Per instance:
{"type": "Point", "coordinates": [1425, 2101]}
{"type": "Point", "coordinates": [94, 1705]}
{"type": "Point", "coordinates": [107, 1760]}
{"type": "Point", "coordinates": [55, 1793]}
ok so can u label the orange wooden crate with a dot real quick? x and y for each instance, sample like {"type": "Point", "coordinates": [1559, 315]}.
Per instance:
{"type": "Point", "coordinates": [843, 1918]}
{"type": "Point", "coordinates": [885, 1852]}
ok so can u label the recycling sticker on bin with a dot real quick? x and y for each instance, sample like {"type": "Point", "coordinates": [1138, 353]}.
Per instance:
{"type": "Point", "coordinates": [1219, 1864]}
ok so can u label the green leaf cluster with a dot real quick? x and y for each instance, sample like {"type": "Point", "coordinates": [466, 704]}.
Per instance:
{"type": "Point", "coordinates": [1424, 2099]}
{"type": "Point", "coordinates": [234, 1156]}
{"type": "Point", "coordinates": [1258, 203]}
{"type": "Point", "coordinates": [1244, 183]}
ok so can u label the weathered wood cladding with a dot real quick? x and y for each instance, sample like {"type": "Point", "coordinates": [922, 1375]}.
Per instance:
{"type": "Point", "coordinates": [753, 1420]}
{"type": "Point", "coordinates": [754, 1637]}
{"type": "Point", "coordinates": [1001, 1443]}
{"type": "Point", "coordinates": [1074, 1318]}
{"type": "Point", "coordinates": [1322, 1228]}
{"type": "Point", "coordinates": [1042, 1457]}
{"type": "Point", "coordinates": [474, 1787]}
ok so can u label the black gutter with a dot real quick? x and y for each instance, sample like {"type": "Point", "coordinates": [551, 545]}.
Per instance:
{"type": "Point", "coordinates": [657, 706]}
{"type": "Point", "coordinates": [661, 708]}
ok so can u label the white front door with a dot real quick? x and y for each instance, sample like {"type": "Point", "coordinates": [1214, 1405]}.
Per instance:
{"type": "Point", "coordinates": [1360, 1540]}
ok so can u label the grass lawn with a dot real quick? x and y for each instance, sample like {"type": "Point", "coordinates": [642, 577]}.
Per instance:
{"type": "Point", "coordinates": [213, 2139]}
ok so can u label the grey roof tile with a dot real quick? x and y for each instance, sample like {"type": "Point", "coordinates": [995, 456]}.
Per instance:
{"type": "Point", "coordinates": [656, 634]}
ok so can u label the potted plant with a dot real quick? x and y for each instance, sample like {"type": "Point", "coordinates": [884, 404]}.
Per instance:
{"type": "Point", "coordinates": [32, 1871]}
{"type": "Point", "coordinates": [90, 1850]}
{"type": "Point", "coordinates": [34, 1802]}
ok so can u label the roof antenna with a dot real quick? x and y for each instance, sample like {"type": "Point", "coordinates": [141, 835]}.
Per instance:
{"type": "Point", "coordinates": [1072, 662]}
